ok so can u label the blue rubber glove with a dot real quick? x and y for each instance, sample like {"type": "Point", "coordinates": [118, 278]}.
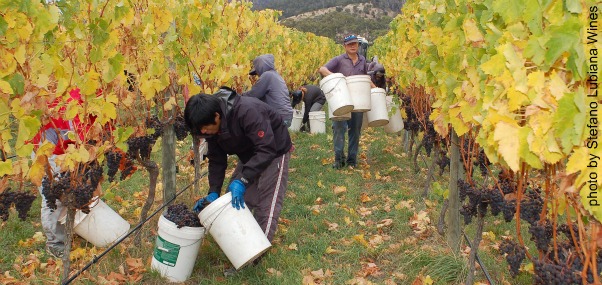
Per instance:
{"type": "Point", "coordinates": [200, 204]}
{"type": "Point", "coordinates": [237, 188]}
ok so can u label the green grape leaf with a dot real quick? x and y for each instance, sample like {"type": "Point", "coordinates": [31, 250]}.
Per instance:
{"type": "Point", "coordinates": [573, 6]}
{"type": "Point", "coordinates": [6, 167]}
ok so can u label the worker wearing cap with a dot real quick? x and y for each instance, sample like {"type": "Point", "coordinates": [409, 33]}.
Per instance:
{"type": "Point", "coordinates": [271, 88]}
{"type": "Point", "coordinates": [350, 63]}
{"type": "Point", "coordinates": [313, 98]}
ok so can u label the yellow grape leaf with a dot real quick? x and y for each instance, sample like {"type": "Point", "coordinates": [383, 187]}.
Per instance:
{"type": "Point", "coordinates": [109, 112]}
{"type": "Point", "coordinates": [330, 250]}
{"type": "Point", "coordinates": [293, 246]}
{"type": "Point", "coordinates": [471, 31]}
{"type": "Point", "coordinates": [495, 66]}
{"type": "Point", "coordinates": [361, 240]}
{"type": "Point", "coordinates": [8, 64]}
{"type": "Point", "coordinates": [5, 87]}
{"type": "Point", "coordinates": [577, 160]}
{"type": "Point", "coordinates": [171, 102]}
{"type": "Point", "coordinates": [90, 83]}
{"type": "Point", "coordinates": [20, 54]}
{"type": "Point", "coordinates": [320, 184]}
{"type": "Point", "coordinates": [428, 280]}
{"type": "Point", "coordinates": [6, 167]}
{"type": "Point", "coordinates": [348, 220]}
{"type": "Point", "coordinates": [506, 136]}
{"type": "Point", "coordinates": [78, 253]}
{"type": "Point", "coordinates": [340, 189]}
{"type": "Point", "coordinates": [365, 198]}
{"type": "Point", "coordinates": [28, 127]}
{"type": "Point", "coordinates": [557, 86]}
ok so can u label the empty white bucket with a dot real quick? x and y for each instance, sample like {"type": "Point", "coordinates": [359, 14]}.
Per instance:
{"type": "Point", "coordinates": [317, 122]}
{"type": "Point", "coordinates": [343, 117]}
{"type": "Point", "coordinates": [101, 227]}
{"type": "Point", "coordinates": [395, 121]}
{"type": "Point", "coordinates": [297, 120]}
{"type": "Point", "coordinates": [235, 231]}
{"type": "Point", "coordinates": [176, 250]}
{"type": "Point", "coordinates": [359, 90]}
{"type": "Point", "coordinates": [335, 89]}
{"type": "Point", "coordinates": [378, 115]}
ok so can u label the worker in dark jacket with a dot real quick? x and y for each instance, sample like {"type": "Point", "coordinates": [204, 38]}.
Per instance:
{"type": "Point", "coordinates": [253, 131]}
{"type": "Point", "coordinates": [313, 98]}
{"type": "Point", "coordinates": [271, 88]}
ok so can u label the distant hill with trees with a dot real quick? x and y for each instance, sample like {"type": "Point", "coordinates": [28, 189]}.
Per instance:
{"type": "Point", "coordinates": [335, 18]}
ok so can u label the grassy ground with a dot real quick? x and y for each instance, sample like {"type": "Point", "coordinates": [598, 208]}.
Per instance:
{"type": "Point", "coordinates": [367, 225]}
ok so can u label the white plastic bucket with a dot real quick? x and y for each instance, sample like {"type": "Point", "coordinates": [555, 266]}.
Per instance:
{"type": "Point", "coordinates": [335, 89]}
{"type": "Point", "coordinates": [378, 115]}
{"type": "Point", "coordinates": [101, 227]}
{"type": "Point", "coordinates": [297, 120]}
{"type": "Point", "coordinates": [235, 231]}
{"type": "Point", "coordinates": [395, 121]}
{"type": "Point", "coordinates": [317, 122]}
{"type": "Point", "coordinates": [359, 90]}
{"type": "Point", "coordinates": [176, 250]}
{"type": "Point", "coordinates": [343, 117]}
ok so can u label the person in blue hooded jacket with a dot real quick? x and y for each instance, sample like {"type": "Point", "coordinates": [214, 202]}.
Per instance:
{"type": "Point", "coordinates": [270, 87]}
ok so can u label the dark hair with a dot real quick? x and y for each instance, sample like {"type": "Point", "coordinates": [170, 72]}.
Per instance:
{"type": "Point", "coordinates": [200, 111]}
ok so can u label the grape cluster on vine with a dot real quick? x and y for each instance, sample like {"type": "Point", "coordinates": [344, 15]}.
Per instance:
{"type": "Point", "coordinates": [21, 200]}
{"type": "Point", "coordinates": [181, 128]}
{"type": "Point", "coordinates": [74, 189]}
{"type": "Point", "coordinates": [515, 254]}
{"type": "Point", "coordinates": [180, 215]}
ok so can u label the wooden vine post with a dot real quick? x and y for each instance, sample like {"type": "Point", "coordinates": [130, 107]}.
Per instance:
{"type": "Point", "coordinates": [453, 213]}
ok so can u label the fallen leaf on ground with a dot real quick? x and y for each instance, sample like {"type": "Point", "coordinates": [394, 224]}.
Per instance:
{"type": "Point", "coordinates": [340, 189]}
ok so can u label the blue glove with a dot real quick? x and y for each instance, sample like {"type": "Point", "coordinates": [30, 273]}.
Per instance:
{"type": "Point", "coordinates": [237, 188]}
{"type": "Point", "coordinates": [201, 203]}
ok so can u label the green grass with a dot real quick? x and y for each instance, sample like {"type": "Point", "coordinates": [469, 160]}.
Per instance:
{"type": "Point", "coordinates": [307, 239]}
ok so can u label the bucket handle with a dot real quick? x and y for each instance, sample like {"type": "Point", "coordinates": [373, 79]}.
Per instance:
{"type": "Point", "coordinates": [335, 86]}
{"type": "Point", "coordinates": [216, 213]}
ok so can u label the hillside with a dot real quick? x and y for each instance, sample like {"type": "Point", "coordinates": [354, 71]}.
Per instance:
{"type": "Point", "coordinates": [335, 18]}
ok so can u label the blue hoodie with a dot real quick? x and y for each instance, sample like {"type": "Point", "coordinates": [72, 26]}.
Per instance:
{"type": "Point", "coordinates": [271, 88]}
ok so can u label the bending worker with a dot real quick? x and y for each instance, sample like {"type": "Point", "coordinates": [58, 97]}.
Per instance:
{"type": "Point", "coordinates": [313, 98]}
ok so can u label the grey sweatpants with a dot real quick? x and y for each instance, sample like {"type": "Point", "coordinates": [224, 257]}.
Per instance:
{"type": "Point", "coordinates": [265, 195]}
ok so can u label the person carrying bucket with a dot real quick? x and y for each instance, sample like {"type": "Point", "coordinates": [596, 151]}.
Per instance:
{"type": "Point", "coordinates": [255, 132]}
{"type": "Point", "coordinates": [313, 98]}
{"type": "Point", "coordinates": [270, 87]}
{"type": "Point", "coordinates": [349, 63]}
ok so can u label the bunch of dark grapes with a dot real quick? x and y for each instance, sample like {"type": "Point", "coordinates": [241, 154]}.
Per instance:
{"type": "Point", "coordinates": [482, 162]}
{"type": "Point", "coordinates": [113, 160]}
{"type": "Point", "coordinates": [93, 172]}
{"type": "Point", "coordinates": [515, 254]}
{"type": "Point", "coordinates": [430, 136]}
{"type": "Point", "coordinates": [509, 210]}
{"type": "Point", "coordinates": [154, 123]}
{"type": "Point", "coordinates": [181, 128]}
{"type": "Point", "coordinates": [550, 273]}
{"type": "Point", "coordinates": [496, 200]}
{"type": "Point", "coordinates": [21, 200]}
{"type": "Point", "coordinates": [506, 183]}
{"type": "Point", "coordinates": [442, 161]}
{"type": "Point", "coordinates": [82, 194]}
{"type": "Point", "coordinates": [53, 189]}
{"type": "Point", "coordinates": [141, 146]}
{"type": "Point", "coordinates": [410, 123]}
{"type": "Point", "coordinates": [180, 215]}
{"type": "Point", "coordinates": [541, 234]}
{"type": "Point", "coordinates": [74, 189]}
{"type": "Point", "coordinates": [564, 228]}
{"type": "Point", "coordinates": [531, 206]}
